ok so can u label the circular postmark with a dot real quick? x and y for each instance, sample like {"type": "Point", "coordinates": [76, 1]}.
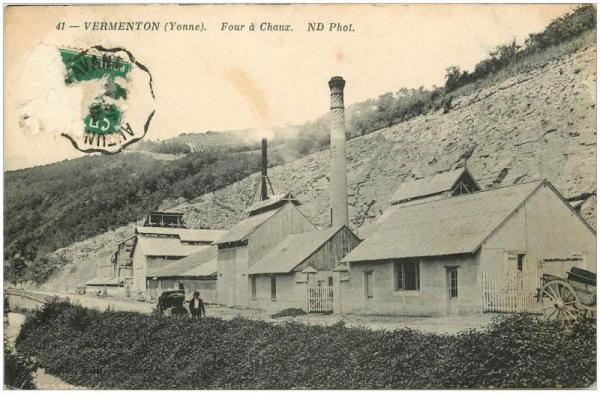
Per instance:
{"type": "Point", "coordinates": [117, 104]}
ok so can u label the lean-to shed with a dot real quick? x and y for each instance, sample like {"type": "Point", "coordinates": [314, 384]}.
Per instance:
{"type": "Point", "coordinates": [282, 278]}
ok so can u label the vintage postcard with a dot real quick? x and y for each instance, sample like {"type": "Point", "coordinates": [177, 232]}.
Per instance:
{"type": "Point", "coordinates": [324, 196]}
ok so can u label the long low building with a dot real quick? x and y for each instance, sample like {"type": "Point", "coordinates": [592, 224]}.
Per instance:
{"type": "Point", "coordinates": [468, 253]}
{"type": "Point", "coordinates": [103, 285]}
{"type": "Point", "coordinates": [248, 241]}
{"type": "Point", "coordinates": [153, 253]}
{"type": "Point", "coordinates": [196, 272]}
{"type": "Point", "coordinates": [299, 266]}
{"type": "Point", "coordinates": [161, 240]}
{"type": "Point", "coordinates": [164, 239]}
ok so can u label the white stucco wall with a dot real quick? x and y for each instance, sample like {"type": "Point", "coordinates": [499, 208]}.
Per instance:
{"type": "Point", "coordinates": [543, 228]}
{"type": "Point", "coordinates": [290, 294]}
{"type": "Point", "coordinates": [232, 279]}
{"type": "Point", "coordinates": [431, 299]}
{"type": "Point", "coordinates": [139, 271]}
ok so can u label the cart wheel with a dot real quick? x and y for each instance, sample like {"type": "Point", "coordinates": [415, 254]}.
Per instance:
{"type": "Point", "coordinates": [559, 301]}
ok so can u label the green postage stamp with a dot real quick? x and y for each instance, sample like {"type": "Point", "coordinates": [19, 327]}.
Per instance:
{"type": "Point", "coordinates": [109, 119]}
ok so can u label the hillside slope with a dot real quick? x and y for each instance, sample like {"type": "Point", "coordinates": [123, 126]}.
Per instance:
{"type": "Point", "coordinates": [52, 206]}
{"type": "Point", "coordinates": [535, 125]}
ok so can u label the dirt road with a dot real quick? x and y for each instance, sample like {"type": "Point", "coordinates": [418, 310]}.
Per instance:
{"type": "Point", "coordinates": [445, 324]}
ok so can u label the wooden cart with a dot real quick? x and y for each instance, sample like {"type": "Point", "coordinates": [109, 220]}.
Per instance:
{"type": "Point", "coordinates": [568, 299]}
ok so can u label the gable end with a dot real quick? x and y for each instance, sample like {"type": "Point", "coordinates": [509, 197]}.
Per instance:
{"type": "Point", "coordinates": [508, 217]}
{"type": "Point", "coordinates": [344, 233]}
{"type": "Point", "coordinates": [573, 210]}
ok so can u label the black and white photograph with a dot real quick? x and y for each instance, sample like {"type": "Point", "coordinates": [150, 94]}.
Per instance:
{"type": "Point", "coordinates": [300, 197]}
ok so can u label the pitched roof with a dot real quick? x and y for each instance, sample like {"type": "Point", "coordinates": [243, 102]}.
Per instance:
{"type": "Point", "coordinates": [204, 270]}
{"type": "Point", "coordinates": [368, 229]}
{"type": "Point", "coordinates": [194, 263]}
{"type": "Point", "coordinates": [453, 225]}
{"type": "Point", "coordinates": [274, 201]}
{"type": "Point", "coordinates": [126, 239]}
{"type": "Point", "coordinates": [292, 251]}
{"type": "Point", "coordinates": [165, 246]}
{"type": "Point", "coordinates": [198, 235]}
{"type": "Point", "coordinates": [576, 203]}
{"type": "Point", "coordinates": [246, 227]}
{"type": "Point", "coordinates": [102, 281]}
{"type": "Point", "coordinates": [173, 231]}
{"type": "Point", "coordinates": [427, 186]}
{"type": "Point", "coordinates": [166, 212]}
{"type": "Point", "coordinates": [208, 235]}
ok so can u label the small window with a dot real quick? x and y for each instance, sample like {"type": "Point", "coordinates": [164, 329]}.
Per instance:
{"type": "Point", "coordinates": [452, 274]}
{"type": "Point", "coordinates": [369, 284]}
{"type": "Point", "coordinates": [253, 284]}
{"type": "Point", "coordinates": [330, 281]}
{"type": "Point", "coordinates": [520, 262]}
{"type": "Point", "coordinates": [461, 188]}
{"type": "Point", "coordinates": [273, 288]}
{"type": "Point", "coordinates": [407, 275]}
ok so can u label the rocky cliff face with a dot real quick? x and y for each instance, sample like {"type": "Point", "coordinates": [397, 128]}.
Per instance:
{"type": "Point", "coordinates": [535, 125]}
{"type": "Point", "coordinates": [86, 259]}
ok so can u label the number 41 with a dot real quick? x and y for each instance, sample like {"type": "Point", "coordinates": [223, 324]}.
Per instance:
{"type": "Point", "coordinates": [60, 26]}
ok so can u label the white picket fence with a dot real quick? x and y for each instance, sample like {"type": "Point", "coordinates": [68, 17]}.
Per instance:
{"type": "Point", "coordinates": [511, 293]}
{"type": "Point", "coordinates": [320, 299]}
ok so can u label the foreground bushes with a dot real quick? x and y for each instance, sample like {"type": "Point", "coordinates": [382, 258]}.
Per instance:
{"type": "Point", "coordinates": [134, 351]}
{"type": "Point", "coordinates": [18, 370]}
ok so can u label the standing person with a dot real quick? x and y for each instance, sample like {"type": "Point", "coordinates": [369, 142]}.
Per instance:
{"type": "Point", "coordinates": [197, 306]}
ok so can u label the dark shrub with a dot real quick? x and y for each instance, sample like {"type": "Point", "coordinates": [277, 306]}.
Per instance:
{"type": "Point", "coordinates": [563, 29]}
{"type": "Point", "coordinates": [291, 312]}
{"type": "Point", "coordinates": [134, 351]}
{"type": "Point", "coordinates": [18, 370]}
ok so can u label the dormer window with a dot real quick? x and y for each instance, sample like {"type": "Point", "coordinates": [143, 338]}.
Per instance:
{"type": "Point", "coordinates": [461, 188]}
{"type": "Point", "coordinates": [433, 187]}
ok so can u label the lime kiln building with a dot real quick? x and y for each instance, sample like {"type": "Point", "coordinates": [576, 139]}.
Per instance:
{"type": "Point", "coordinates": [162, 239]}
{"type": "Point", "coordinates": [443, 247]}
{"type": "Point", "coordinates": [248, 241]}
{"type": "Point", "coordinates": [276, 257]}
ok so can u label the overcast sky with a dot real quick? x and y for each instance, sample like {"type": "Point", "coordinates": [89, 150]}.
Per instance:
{"type": "Point", "coordinates": [218, 80]}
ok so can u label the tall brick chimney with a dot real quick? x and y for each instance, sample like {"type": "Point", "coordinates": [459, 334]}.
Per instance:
{"type": "Point", "coordinates": [263, 171]}
{"type": "Point", "coordinates": [338, 177]}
